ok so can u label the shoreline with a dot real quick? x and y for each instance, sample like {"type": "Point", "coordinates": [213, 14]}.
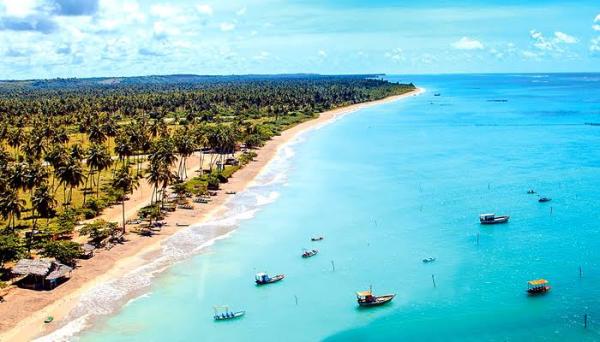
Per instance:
{"type": "Point", "coordinates": [24, 311]}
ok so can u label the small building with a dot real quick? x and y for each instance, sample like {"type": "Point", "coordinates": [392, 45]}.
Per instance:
{"type": "Point", "coordinates": [41, 274]}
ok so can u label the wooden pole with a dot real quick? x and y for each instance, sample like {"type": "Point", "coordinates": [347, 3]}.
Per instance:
{"type": "Point", "coordinates": [296, 298]}
{"type": "Point", "coordinates": [551, 210]}
{"type": "Point", "coordinates": [477, 239]}
{"type": "Point", "coordinates": [580, 272]}
{"type": "Point", "coordinates": [585, 319]}
{"type": "Point", "coordinates": [433, 279]}
{"type": "Point", "coordinates": [332, 266]}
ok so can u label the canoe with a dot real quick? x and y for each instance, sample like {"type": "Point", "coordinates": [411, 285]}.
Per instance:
{"type": "Point", "coordinates": [232, 315]}
{"type": "Point", "coordinates": [430, 259]}
{"type": "Point", "coordinates": [319, 238]}
{"type": "Point", "coordinates": [49, 319]}
{"type": "Point", "coordinates": [544, 199]}
{"type": "Point", "coordinates": [271, 280]}
{"type": "Point", "coordinates": [376, 300]}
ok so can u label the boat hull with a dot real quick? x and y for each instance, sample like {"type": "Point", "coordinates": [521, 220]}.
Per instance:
{"type": "Point", "coordinates": [236, 315]}
{"type": "Point", "coordinates": [538, 290]}
{"type": "Point", "coordinates": [497, 220]}
{"type": "Point", "coordinates": [275, 279]}
{"type": "Point", "coordinates": [379, 300]}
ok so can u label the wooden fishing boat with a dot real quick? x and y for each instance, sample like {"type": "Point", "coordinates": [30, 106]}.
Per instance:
{"type": "Point", "coordinates": [222, 313]}
{"type": "Point", "coordinates": [538, 286]}
{"type": "Point", "coordinates": [544, 199]}
{"type": "Point", "coordinates": [428, 260]}
{"type": "Point", "coordinates": [493, 219]}
{"type": "Point", "coordinates": [531, 191]}
{"type": "Point", "coordinates": [49, 319]}
{"type": "Point", "coordinates": [181, 224]}
{"type": "Point", "coordinates": [311, 253]}
{"type": "Point", "coordinates": [263, 278]}
{"type": "Point", "coordinates": [316, 238]}
{"type": "Point", "coordinates": [366, 298]}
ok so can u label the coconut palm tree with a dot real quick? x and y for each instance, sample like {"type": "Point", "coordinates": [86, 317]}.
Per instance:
{"type": "Point", "coordinates": [184, 143]}
{"type": "Point", "coordinates": [98, 160]}
{"type": "Point", "coordinates": [125, 183]}
{"type": "Point", "coordinates": [11, 207]}
{"type": "Point", "coordinates": [42, 203]}
{"type": "Point", "coordinates": [70, 174]}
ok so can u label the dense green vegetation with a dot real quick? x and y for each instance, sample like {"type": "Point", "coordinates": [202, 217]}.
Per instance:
{"type": "Point", "coordinates": [70, 148]}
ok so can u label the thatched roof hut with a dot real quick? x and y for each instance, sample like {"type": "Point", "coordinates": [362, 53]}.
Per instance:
{"type": "Point", "coordinates": [41, 273]}
{"type": "Point", "coordinates": [36, 267]}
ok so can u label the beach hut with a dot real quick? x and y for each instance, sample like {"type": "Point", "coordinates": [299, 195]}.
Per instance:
{"type": "Point", "coordinates": [41, 274]}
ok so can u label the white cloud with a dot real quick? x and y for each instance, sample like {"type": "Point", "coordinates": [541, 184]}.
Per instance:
{"type": "Point", "coordinates": [595, 45]}
{"type": "Point", "coordinates": [596, 27]}
{"type": "Point", "coordinates": [226, 26]}
{"type": "Point", "coordinates": [322, 54]}
{"type": "Point", "coordinates": [205, 9]}
{"type": "Point", "coordinates": [597, 19]}
{"type": "Point", "coordinates": [554, 45]}
{"type": "Point", "coordinates": [19, 8]}
{"type": "Point", "coordinates": [164, 10]}
{"type": "Point", "coordinates": [466, 43]}
{"type": "Point", "coordinates": [395, 55]}
{"type": "Point", "coordinates": [561, 37]}
{"type": "Point", "coordinates": [162, 30]}
{"type": "Point", "coordinates": [241, 11]}
{"type": "Point", "coordinates": [263, 55]}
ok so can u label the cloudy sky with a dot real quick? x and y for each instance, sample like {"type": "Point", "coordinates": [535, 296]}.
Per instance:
{"type": "Point", "coordinates": [81, 38]}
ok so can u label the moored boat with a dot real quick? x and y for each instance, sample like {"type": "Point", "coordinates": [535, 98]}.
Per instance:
{"type": "Point", "coordinates": [428, 260]}
{"type": "Point", "coordinates": [531, 191]}
{"type": "Point", "coordinates": [538, 286]}
{"type": "Point", "coordinates": [311, 253]}
{"type": "Point", "coordinates": [316, 238]}
{"type": "Point", "coordinates": [263, 278]}
{"type": "Point", "coordinates": [544, 199]}
{"type": "Point", "coordinates": [366, 298]}
{"type": "Point", "coordinates": [222, 313]}
{"type": "Point", "coordinates": [493, 219]}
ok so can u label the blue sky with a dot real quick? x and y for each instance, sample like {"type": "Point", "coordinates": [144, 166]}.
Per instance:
{"type": "Point", "coordinates": [82, 38]}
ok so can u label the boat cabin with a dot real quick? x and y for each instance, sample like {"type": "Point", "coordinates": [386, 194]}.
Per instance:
{"type": "Point", "coordinates": [262, 277]}
{"type": "Point", "coordinates": [487, 217]}
{"type": "Point", "coordinates": [365, 296]}
{"type": "Point", "coordinates": [538, 286]}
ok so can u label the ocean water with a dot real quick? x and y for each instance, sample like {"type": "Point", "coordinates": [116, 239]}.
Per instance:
{"type": "Point", "coordinates": [388, 186]}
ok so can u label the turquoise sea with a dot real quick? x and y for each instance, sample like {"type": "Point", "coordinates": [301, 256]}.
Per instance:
{"type": "Point", "coordinates": [388, 186]}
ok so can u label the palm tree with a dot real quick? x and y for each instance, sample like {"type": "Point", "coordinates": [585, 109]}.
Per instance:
{"type": "Point", "coordinates": [98, 160]}
{"type": "Point", "coordinates": [185, 146]}
{"type": "Point", "coordinates": [42, 203]}
{"type": "Point", "coordinates": [71, 174]}
{"type": "Point", "coordinates": [124, 182]}
{"type": "Point", "coordinates": [11, 207]}
{"type": "Point", "coordinates": [123, 147]}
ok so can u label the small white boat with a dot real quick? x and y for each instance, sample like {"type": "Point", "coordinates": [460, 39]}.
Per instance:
{"type": "Point", "coordinates": [493, 219]}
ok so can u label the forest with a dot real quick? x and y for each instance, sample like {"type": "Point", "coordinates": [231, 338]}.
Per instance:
{"type": "Point", "coordinates": [69, 148]}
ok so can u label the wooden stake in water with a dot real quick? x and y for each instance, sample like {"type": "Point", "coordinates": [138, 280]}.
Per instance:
{"type": "Point", "coordinates": [488, 186]}
{"type": "Point", "coordinates": [580, 272]}
{"type": "Point", "coordinates": [433, 279]}
{"type": "Point", "coordinates": [585, 321]}
{"type": "Point", "coordinates": [296, 298]}
{"type": "Point", "coordinates": [550, 210]}
{"type": "Point", "coordinates": [477, 239]}
{"type": "Point", "coordinates": [332, 266]}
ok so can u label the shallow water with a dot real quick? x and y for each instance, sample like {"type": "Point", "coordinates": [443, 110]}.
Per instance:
{"type": "Point", "coordinates": [388, 186]}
